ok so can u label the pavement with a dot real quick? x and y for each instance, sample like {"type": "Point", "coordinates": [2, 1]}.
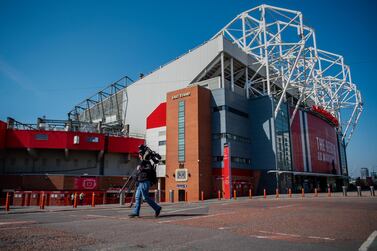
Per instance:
{"type": "Point", "coordinates": [309, 223]}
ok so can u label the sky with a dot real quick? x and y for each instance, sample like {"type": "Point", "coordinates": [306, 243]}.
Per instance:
{"type": "Point", "coordinates": [54, 54]}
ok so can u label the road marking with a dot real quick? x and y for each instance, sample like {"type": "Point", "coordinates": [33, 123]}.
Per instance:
{"type": "Point", "coordinates": [12, 228]}
{"type": "Point", "coordinates": [368, 242]}
{"type": "Point", "coordinates": [185, 209]}
{"type": "Point", "coordinates": [284, 234]}
{"type": "Point", "coordinates": [285, 206]}
{"type": "Point", "coordinates": [196, 217]}
{"type": "Point", "coordinates": [16, 222]}
{"type": "Point", "coordinates": [261, 236]}
{"type": "Point", "coordinates": [298, 236]}
{"type": "Point", "coordinates": [321, 238]}
{"type": "Point", "coordinates": [101, 216]}
{"type": "Point", "coordinates": [223, 228]}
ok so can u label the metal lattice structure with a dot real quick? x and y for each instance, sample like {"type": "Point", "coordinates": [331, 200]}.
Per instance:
{"type": "Point", "coordinates": [290, 66]}
{"type": "Point", "coordinates": [105, 107]}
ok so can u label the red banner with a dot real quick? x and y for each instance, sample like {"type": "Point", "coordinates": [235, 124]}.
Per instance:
{"type": "Point", "coordinates": [86, 183]}
{"type": "Point", "coordinates": [227, 173]}
{"type": "Point", "coordinates": [315, 144]}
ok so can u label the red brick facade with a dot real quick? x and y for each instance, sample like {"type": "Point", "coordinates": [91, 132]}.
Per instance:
{"type": "Point", "coordinates": [197, 143]}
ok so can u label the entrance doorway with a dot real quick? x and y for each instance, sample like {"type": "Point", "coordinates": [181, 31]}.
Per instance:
{"type": "Point", "coordinates": [181, 195]}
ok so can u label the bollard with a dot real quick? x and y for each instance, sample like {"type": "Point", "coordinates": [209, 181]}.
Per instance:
{"type": "Point", "coordinates": [328, 192]}
{"type": "Point", "coordinates": [186, 196]}
{"type": "Point", "coordinates": [156, 196]}
{"type": "Point", "coordinates": [75, 201]}
{"type": "Point", "coordinates": [264, 193]}
{"type": "Point", "coordinates": [7, 202]}
{"type": "Point", "coordinates": [121, 198]}
{"type": "Point", "coordinates": [344, 188]}
{"type": "Point", "coordinates": [202, 196]}
{"type": "Point", "coordinates": [372, 191]}
{"type": "Point", "coordinates": [93, 199]}
{"type": "Point", "coordinates": [359, 191]}
{"type": "Point", "coordinates": [171, 196]}
{"type": "Point", "coordinates": [290, 192]}
{"type": "Point", "coordinates": [302, 193]}
{"type": "Point", "coordinates": [219, 194]}
{"type": "Point", "coordinates": [250, 194]}
{"type": "Point", "coordinates": [277, 193]}
{"type": "Point", "coordinates": [234, 194]}
{"type": "Point", "coordinates": [315, 192]}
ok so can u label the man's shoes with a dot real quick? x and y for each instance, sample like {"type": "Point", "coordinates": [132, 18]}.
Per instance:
{"type": "Point", "coordinates": [158, 211]}
{"type": "Point", "coordinates": [133, 215]}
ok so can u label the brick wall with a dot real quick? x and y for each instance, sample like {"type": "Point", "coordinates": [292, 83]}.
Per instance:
{"type": "Point", "coordinates": [197, 141]}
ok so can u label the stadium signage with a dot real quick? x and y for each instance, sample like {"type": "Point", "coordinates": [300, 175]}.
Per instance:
{"type": "Point", "coordinates": [181, 95]}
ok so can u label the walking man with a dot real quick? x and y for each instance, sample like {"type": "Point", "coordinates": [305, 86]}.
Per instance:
{"type": "Point", "coordinates": [143, 177]}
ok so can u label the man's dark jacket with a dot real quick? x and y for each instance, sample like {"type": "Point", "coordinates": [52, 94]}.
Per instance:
{"type": "Point", "coordinates": [144, 172]}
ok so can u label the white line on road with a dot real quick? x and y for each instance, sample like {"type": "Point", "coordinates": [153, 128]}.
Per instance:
{"type": "Point", "coordinates": [196, 217]}
{"type": "Point", "coordinates": [285, 206]}
{"type": "Point", "coordinates": [298, 236]}
{"type": "Point", "coordinates": [368, 242]}
{"type": "Point", "coordinates": [321, 238]}
{"type": "Point", "coordinates": [185, 209]}
{"type": "Point", "coordinates": [12, 228]}
{"type": "Point", "coordinates": [16, 222]}
{"type": "Point", "coordinates": [292, 235]}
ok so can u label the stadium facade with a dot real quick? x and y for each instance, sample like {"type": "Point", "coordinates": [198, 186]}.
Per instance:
{"type": "Point", "coordinates": [258, 106]}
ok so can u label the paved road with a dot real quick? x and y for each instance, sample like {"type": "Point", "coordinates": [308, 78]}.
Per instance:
{"type": "Point", "coordinates": [259, 224]}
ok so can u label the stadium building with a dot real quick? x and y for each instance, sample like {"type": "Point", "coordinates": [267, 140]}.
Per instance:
{"type": "Point", "coordinates": [258, 106]}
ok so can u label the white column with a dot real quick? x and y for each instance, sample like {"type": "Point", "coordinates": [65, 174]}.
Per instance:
{"type": "Point", "coordinates": [247, 81]}
{"type": "Point", "coordinates": [231, 74]}
{"type": "Point", "coordinates": [222, 71]}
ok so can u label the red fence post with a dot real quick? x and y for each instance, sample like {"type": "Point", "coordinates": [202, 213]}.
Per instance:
{"type": "Point", "coordinates": [250, 194]}
{"type": "Point", "coordinates": [93, 199]}
{"type": "Point", "coordinates": [7, 202]}
{"type": "Point", "coordinates": [219, 194]}
{"type": "Point", "coordinates": [264, 193]}
{"type": "Point", "coordinates": [75, 201]}
{"type": "Point", "coordinates": [202, 195]}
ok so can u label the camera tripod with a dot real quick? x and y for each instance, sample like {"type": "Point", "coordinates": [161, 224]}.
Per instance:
{"type": "Point", "coordinates": [129, 185]}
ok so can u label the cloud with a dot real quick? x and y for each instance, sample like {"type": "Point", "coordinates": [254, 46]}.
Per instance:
{"type": "Point", "coordinates": [17, 77]}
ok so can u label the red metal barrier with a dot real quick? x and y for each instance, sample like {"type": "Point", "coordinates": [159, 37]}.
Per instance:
{"type": "Point", "coordinates": [7, 202]}
{"type": "Point", "coordinates": [93, 199]}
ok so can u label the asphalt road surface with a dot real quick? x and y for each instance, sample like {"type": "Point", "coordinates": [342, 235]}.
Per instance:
{"type": "Point", "coordinates": [335, 223]}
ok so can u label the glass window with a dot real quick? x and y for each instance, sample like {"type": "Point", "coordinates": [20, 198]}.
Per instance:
{"type": "Point", "coordinates": [181, 130]}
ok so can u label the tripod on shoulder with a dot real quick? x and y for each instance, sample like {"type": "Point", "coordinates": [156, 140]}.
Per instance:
{"type": "Point", "coordinates": [129, 189]}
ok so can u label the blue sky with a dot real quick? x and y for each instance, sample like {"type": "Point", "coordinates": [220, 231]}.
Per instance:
{"type": "Point", "coordinates": [53, 54]}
